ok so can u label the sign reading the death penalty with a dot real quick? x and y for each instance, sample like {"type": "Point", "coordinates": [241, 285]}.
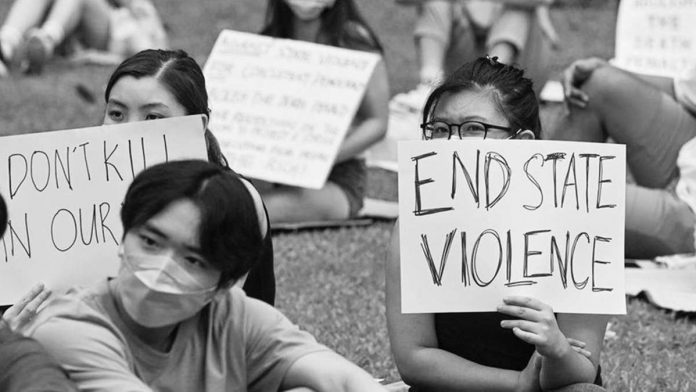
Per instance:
{"type": "Point", "coordinates": [656, 37]}
{"type": "Point", "coordinates": [64, 191]}
{"type": "Point", "coordinates": [281, 108]}
{"type": "Point", "coordinates": [481, 220]}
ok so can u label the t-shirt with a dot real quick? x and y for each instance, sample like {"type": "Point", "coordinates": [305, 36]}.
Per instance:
{"type": "Point", "coordinates": [685, 90]}
{"type": "Point", "coordinates": [234, 344]}
{"type": "Point", "coordinates": [26, 367]}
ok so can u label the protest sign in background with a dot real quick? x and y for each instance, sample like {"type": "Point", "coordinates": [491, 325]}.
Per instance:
{"type": "Point", "coordinates": [656, 37]}
{"type": "Point", "coordinates": [64, 191]}
{"type": "Point", "coordinates": [480, 220]}
{"type": "Point", "coordinates": [281, 108]}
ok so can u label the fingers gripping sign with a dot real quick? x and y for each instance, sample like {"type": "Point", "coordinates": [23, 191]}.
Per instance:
{"type": "Point", "coordinates": [22, 313]}
{"type": "Point", "coordinates": [536, 324]}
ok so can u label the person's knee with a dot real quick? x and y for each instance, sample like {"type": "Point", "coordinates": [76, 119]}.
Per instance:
{"type": "Point", "coordinates": [604, 84]}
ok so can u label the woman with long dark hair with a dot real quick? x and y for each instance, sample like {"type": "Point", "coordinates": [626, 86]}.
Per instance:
{"type": "Point", "coordinates": [166, 83]}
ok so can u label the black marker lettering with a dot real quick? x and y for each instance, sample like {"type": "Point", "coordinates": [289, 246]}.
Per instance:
{"type": "Point", "coordinates": [418, 183]}
{"type": "Point", "coordinates": [534, 181]}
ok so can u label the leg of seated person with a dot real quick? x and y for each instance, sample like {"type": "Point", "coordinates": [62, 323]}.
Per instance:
{"type": "Point", "coordinates": [91, 17]}
{"type": "Point", "coordinates": [580, 387]}
{"type": "Point", "coordinates": [292, 204]}
{"type": "Point", "coordinates": [432, 37]}
{"type": "Point", "coordinates": [23, 15]}
{"type": "Point", "coordinates": [520, 28]}
{"type": "Point", "coordinates": [463, 44]}
{"type": "Point", "coordinates": [651, 124]}
{"type": "Point", "coordinates": [657, 223]}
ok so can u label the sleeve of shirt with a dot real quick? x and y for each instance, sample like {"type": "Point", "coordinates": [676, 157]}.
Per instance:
{"type": "Point", "coordinates": [25, 366]}
{"type": "Point", "coordinates": [685, 90]}
{"type": "Point", "coordinates": [272, 344]}
{"type": "Point", "coordinates": [91, 354]}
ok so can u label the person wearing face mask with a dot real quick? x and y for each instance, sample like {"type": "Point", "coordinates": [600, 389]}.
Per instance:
{"type": "Point", "coordinates": [336, 23]}
{"type": "Point", "coordinates": [172, 319]}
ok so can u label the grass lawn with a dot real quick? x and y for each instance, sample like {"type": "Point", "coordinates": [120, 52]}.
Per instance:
{"type": "Point", "coordinates": [331, 282]}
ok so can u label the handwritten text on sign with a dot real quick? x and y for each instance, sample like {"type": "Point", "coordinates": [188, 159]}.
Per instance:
{"type": "Point", "coordinates": [480, 220]}
{"type": "Point", "coordinates": [656, 37]}
{"type": "Point", "coordinates": [281, 108]}
{"type": "Point", "coordinates": [64, 191]}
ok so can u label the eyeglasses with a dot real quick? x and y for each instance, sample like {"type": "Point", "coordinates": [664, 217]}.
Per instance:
{"type": "Point", "coordinates": [468, 129]}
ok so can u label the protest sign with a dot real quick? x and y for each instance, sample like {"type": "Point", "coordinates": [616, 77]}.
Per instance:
{"type": "Point", "coordinates": [281, 108]}
{"type": "Point", "coordinates": [64, 191]}
{"type": "Point", "coordinates": [656, 37]}
{"type": "Point", "coordinates": [481, 220]}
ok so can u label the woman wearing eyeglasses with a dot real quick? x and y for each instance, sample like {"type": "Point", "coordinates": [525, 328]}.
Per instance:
{"type": "Point", "coordinates": [524, 346]}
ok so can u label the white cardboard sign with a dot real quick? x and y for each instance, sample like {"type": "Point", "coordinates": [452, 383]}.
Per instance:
{"type": "Point", "coordinates": [281, 108]}
{"type": "Point", "coordinates": [656, 37]}
{"type": "Point", "coordinates": [480, 220]}
{"type": "Point", "coordinates": [64, 190]}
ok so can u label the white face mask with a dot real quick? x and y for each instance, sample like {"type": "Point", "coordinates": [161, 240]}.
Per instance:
{"type": "Point", "coordinates": [156, 291]}
{"type": "Point", "coordinates": [308, 9]}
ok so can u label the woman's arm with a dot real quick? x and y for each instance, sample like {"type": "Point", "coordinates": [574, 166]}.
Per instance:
{"type": "Point", "coordinates": [573, 367]}
{"type": "Point", "coordinates": [419, 360]}
{"type": "Point", "coordinates": [562, 365]}
{"type": "Point", "coordinates": [327, 371]}
{"type": "Point", "coordinates": [373, 115]}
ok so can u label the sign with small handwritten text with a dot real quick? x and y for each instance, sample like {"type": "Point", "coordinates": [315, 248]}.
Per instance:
{"type": "Point", "coordinates": [480, 220]}
{"type": "Point", "coordinates": [281, 108]}
{"type": "Point", "coordinates": [656, 37]}
{"type": "Point", "coordinates": [64, 190]}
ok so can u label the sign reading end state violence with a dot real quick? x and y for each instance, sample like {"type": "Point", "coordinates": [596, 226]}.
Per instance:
{"type": "Point", "coordinates": [281, 108]}
{"type": "Point", "coordinates": [481, 220]}
{"type": "Point", "coordinates": [64, 191]}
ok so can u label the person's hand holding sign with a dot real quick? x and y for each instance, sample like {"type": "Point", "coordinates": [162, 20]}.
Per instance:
{"type": "Point", "coordinates": [23, 312]}
{"type": "Point", "coordinates": [536, 325]}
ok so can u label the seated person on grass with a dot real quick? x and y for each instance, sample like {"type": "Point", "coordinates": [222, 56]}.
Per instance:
{"type": "Point", "coordinates": [336, 23]}
{"type": "Point", "coordinates": [654, 117]}
{"type": "Point", "coordinates": [171, 319]}
{"type": "Point", "coordinates": [449, 33]}
{"type": "Point", "coordinates": [108, 30]}
{"type": "Point", "coordinates": [524, 346]}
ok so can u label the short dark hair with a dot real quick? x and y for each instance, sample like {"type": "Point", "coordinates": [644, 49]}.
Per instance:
{"type": "Point", "coordinates": [342, 24]}
{"type": "Point", "coordinates": [230, 237]}
{"type": "Point", "coordinates": [513, 92]}
{"type": "Point", "coordinates": [181, 75]}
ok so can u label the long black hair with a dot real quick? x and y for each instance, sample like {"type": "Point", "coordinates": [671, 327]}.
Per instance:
{"type": "Point", "coordinates": [184, 79]}
{"type": "Point", "coordinates": [342, 25]}
{"type": "Point", "coordinates": [513, 92]}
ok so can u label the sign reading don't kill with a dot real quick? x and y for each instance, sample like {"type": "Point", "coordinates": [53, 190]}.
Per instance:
{"type": "Point", "coordinates": [64, 191]}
